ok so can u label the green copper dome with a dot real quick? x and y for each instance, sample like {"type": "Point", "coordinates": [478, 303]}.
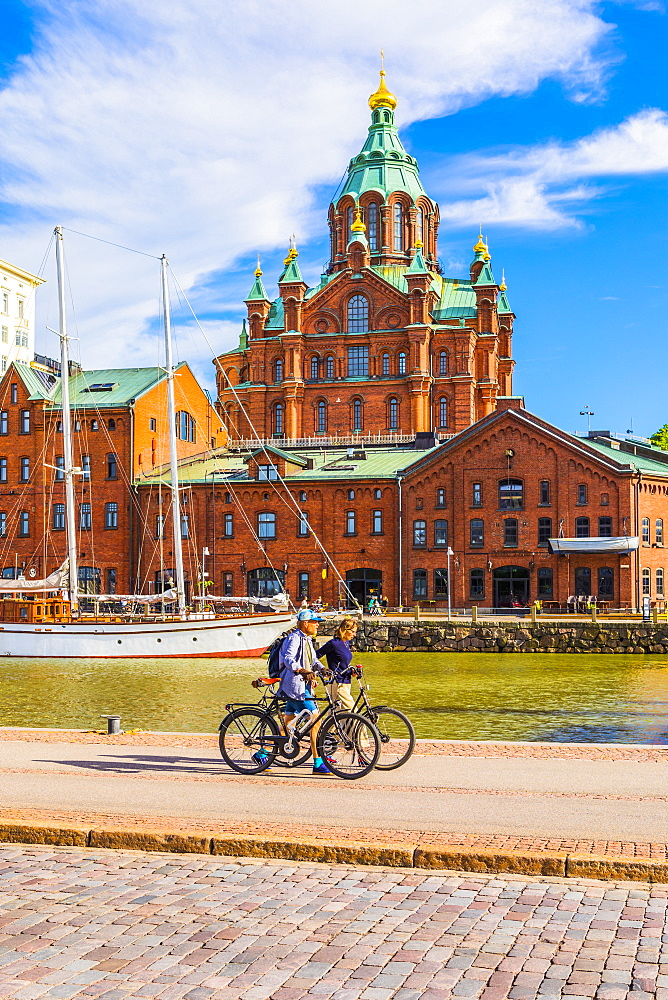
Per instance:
{"type": "Point", "coordinates": [383, 165]}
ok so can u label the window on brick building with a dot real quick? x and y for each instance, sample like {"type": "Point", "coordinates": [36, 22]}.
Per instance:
{"type": "Point", "coordinates": [605, 499]}
{"type": "Point", "coordinates": [303, 586]}
{"type": "Point", "coordinates": [3, 523]}
{"type": "Point", "coordinates": [658, 531]}
{"type": "Point", "coordinates": [351, 494]}
{"type": "Point", "coordinates": [398, 227]}
{"type": "Point", "coordinates": [372, 226]}
{"type": "Point", "coordinates": [385, 364]}
{"type": "Point", "coordinates": [545, 585]}
{"type": "Point", "coordinates": [14, 392]}
{"type": "Point", "coordinates": [185, 526]}
{"type": "Point", "coordinates": [351, 522]}
{"type": "Point", "coordinates": [3, 470]}
{"type": "Point", "coordinates": [58, 517]}
{"type": "Point", "coordinates": [24, 424]}
{"type": "Point", "coordinates": [419, 534]}
{"type": "Point", "coordinates": [544, 530]}
{"type": "Point", "coordinates": [266, 473]}
{"type": "Point", "coordinates": [419, 225]}
{"type": "Point", "coordinates": [645, 530]}
{"type": "Point", "coordinates": [85, 467]}
{"type": "Point", "coordinates": [227, 497]}
{"type": "Point", "coordinates": [94, 426]}
{"type": "Point", "coordinates": [476, 533]}
{"type": "Point", "coordinates": [510, 532]}
{"type": "Point", "coordinates": [315, 367]}
{"type": "Point", "coordinates": [112, 424]}
{"type": "Point", "coordinates": [443, 363]}
{"type": "Point", "coordinates": [477, 583]}
{"type": "Point", "coordinates": [606, 582]}
{"type": "Point", "coordinates": [582, 493]}
{"type": "Point", "coordinates": [111, 515]}
{"type": "Point", "coordinates": [377, 522]}
{"type": "Point", "coordinates": [185, 426]}
{"type": "Point", "coordinates": [646, 582]}
{"type": "Point", "coordinates": [659, 583]}
{"type": "Point", "coordinates": [329, 366]}
{"type": "Point", "coordinates": [476, 495]}
{"type": "Point", "coordinates": [24, 524]}
{"type": "Point", "coordinates": [228, 584]}
{"type": "Point", "coordinates": [401, 363]}
{"type": "Point", "coordinates": [440, 584]}
{"type": "Point", "coordinates": [266, 525]}
{"type": "Point", "coordinates": [358, 361]}
{"type": "Point", "coordinates": [321, 417]}
{"type": "Point", "coordinates": [443, 412]}
{"type": "Point", "coordinates": [377, 494]}
{"type": "Point", "coordinates": [112, 466]}
{"type": "Point", "coordinates": [440, 497]}
{"type": "Point", "coordinates": [582, 581]}
{"type": "Point", "coordinates": [302, 523]}
{"type": "Point", "coordinates": [159, 525]}
{"type": "Point", "coordinates": [228, 525]}
{"type": "Point", "coordinates": [153, 424]}
{"type": "Point", "coordinates": [544, 492]}
{"type": "Point", "coordinates": [24, 475]}
{"type": "Point", "coordinates": [350, 218]}
{"type": "Point", "coordinates": [278, 370]}
{"type": "Point", "coordinates": [278, 418]}
{"type": "Point", "coordinates": [89, 580]}
{"type": "Point", "coordinates": [420, 583]}
{"type": "Point", "coordinates": [393, 414]}
{"type": "Point", "coordinates": [440, 534]}
{"type": "Point", "coordinates": [582, 527]}
{"type": "Point", "coordinates": [302, 496]}
{"type": "Point", "coordinates": [4, 422]}
{"type": "Point", "coordinates": [111, 580]}
{"type": "Point", "coordinates": [357, 414]}
{"type": "Point", "coordinates": [511, 494]}
{"type": "Point", "coordinates": [358, 314]}
{"type": "Point", "coordinates": [84, 517]}
{"type": "Point", "coordinates": [605, 527]}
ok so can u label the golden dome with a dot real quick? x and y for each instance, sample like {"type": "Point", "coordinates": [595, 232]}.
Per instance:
{"type": "Point", "coordinates": [258, 269]}
{"type": "Point", "coordinates": [358, 226]}
{"type": "Point", "coordinates": [503, 284]}
{"type": "Point", "coordinates": [481, 246]}
{"type": "Point", "coordinates": [382, 98]}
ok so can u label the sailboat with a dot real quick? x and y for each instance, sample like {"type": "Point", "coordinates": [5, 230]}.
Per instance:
{"type": "Point", "coordinates": [57, 626]}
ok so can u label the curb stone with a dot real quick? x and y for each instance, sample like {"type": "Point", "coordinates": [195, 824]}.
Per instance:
{"type": "Point", "coordinates": [546, 863]}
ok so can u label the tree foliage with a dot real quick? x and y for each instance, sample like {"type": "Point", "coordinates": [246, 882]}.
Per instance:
{"type": "Point", "coordinates": [660, 437]}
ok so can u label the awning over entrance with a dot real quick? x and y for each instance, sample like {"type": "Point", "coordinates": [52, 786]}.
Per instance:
{"type": "Point", "coordinates": [603, 546]}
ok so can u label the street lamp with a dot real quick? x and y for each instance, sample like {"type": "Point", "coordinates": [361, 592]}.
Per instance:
{"type": "Point", "coordinates": [588, 413]}
{"type": "Point", "coordinates": [450, 553]}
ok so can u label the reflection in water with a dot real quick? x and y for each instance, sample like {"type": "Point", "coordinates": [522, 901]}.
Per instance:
{"type": "Point", "coordinates": [557, 697]}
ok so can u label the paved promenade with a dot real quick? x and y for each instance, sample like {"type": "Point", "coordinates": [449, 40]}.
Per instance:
{"type": "Point", "coordinates": [122, 925]}
{"type": "Point", "coordinates": [599, 800]}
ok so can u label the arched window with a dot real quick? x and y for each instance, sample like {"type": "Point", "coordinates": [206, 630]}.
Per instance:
{"type": "Point", "coordinates": [398, 227]}
{"type": "Point", "coordinates": [329, 366]}
{"type": "Point", "coordinates": [278, 418]}
{"type": "Point", "coordinates": [659, 583]}
{"type": "Point", "coordinates": [443, 363]}
{"type": "Point", "coordinates": [278, 370]}
{"type": "Point", "coordinates": [443, 412]}
{"type": "Point", "coordinates": [372, 226]}
{"type": "Point", "coordinates": [393, 414]}
{"type": "Point", "coordinates": [112, 424]}
{"type": "Point", "coordinates": [357, 415]}
{"type": "Point", "coordinates": [659, 531]}
{"type": "Point", "coordinates": [402, 362]}
{"type": "Point", "coordinates": [315, 367]}
{"type": "Point", "coordinates": [321, 416]}
{"type": "Point", "coordinates": [646, 582]}
{"type": "Point", "coordinates": [419, 225]}
{"type": "Point", "coordinates": [385, 364]}
{"type": "Point", "coordinates": [358, 314]}
{"type": "Point", "coordinates": [350, 217]}
{"type": "Point", "coordinates": [645, 530]}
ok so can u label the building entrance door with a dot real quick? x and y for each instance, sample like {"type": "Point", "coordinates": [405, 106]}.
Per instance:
{"type": "Point", "coordinates": [364, 584]}
{"type": "Point", "coordinates": [511, 586]}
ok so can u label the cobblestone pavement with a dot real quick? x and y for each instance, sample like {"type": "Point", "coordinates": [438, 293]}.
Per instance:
{"type": "Point", "coordinates": [117, 925]}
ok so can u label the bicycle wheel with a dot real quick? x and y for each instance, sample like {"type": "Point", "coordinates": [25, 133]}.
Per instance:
{"type": "Point", "coordinates": [351, 744]}
{"type": "Point", "coordinates": [397, 737]}
{"type": "Point", "coordinates": [302, 754]}
{"type": "Point", "coordinates": [245, 740]}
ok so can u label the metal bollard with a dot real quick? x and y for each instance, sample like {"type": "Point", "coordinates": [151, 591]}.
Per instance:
{"type": "Point", "coordinates": [474, 614]}
{"type": "Point", "coordinates": [113, 724]}
{"type": "Point", "coordinates": [417, 613]}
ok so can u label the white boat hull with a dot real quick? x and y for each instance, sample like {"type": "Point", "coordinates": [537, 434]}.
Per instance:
{"type": "Point", "coordinates": [211, 637]}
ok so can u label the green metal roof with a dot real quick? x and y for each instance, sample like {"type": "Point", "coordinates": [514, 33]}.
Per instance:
{"type": "Point", "coordinates": [257, 292]}
{"type": "Point", "coordinates": [128, 384]}
{"type": "Point", "coordinates": [641, 462]}
{"type": "Point", "coordinates": [486, 277]}
{"type": "Point", "coordinates": [288, 456]}
{"type": "Point", "coordinates": [40, 384]}
{"type": "Point", "coordinates": [275, 319]}
{"type": "Point", "coordinates": [291, 274]}
{"type": "Point", "coordinates": [457, 300]}
{"type": "Point", "coordinates": [502, 304]}
{"type": "Point", "coordinates": [383, 165]}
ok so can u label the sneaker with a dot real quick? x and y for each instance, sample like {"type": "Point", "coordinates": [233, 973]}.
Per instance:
{"type": "Point", "coordinates": [321, 769]}
{"type": "Point", "coordinates": [330, 760]}
{"type": "Point", "coordinates": [260, 757]}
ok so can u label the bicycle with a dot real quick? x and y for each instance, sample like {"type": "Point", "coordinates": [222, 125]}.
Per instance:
{"type": "Point", "coordinates": [251, 740]}
{"type": "Point", "coordinates": [392, 726]}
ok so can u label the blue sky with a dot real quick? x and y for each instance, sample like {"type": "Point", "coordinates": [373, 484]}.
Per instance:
{"type": "Point", "coordinates": [545, 123]}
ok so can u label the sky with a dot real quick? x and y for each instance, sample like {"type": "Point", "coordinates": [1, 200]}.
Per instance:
{"type": "Point", "coordinates": [212, 132]}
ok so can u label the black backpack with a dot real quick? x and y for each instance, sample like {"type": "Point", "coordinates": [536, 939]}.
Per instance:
{"type": "Point", "coordinates": [274, 651]}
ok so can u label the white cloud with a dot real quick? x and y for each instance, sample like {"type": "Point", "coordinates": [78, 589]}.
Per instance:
{"type": "Point", "coordinates": [200, 129]}
{"type": "Point", "coordinates": [545, 185]}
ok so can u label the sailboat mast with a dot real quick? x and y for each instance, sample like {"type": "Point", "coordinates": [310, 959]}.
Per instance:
{"type": "Point", "coordinates": [70, 515]}
{"type": "Point", "coordinates": [173, 457]}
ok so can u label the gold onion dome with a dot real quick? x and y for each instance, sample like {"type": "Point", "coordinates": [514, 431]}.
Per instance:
{"type": "Point", "coordinates": [382, 97]}
{"type": "Point", "coordinates": [481, 246]}
{"type": "Point", "coordinates": [503, 286]}
{"type": "Point", "coordinates": [358, 226]}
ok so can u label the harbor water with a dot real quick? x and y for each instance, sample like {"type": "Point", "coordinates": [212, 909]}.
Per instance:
{"type": "Point", "coordinates": [560, 698]}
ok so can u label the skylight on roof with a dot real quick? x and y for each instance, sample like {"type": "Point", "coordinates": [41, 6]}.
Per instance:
{"type": "Point", "coordinates": [101, 387]}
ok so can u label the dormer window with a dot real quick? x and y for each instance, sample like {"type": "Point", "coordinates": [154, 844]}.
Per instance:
{"type": "Point", "coordinates": [267, 473]}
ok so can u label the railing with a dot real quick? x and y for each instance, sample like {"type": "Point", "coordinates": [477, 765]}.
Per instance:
{"type": "Point", "coordinates": [321, 441]}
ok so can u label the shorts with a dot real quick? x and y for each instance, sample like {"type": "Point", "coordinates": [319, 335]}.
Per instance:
{"type": "Point", "coordinates": [293, 706]}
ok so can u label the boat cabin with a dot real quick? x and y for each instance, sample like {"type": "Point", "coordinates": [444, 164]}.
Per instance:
{"type": "Point", "coordinates": [30, 611]}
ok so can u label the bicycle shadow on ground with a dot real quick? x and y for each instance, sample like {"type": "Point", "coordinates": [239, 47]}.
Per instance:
{"type": "Point", "coordinates": [135, 764]}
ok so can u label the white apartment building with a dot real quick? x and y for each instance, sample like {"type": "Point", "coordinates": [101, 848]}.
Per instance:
{"type": "Point", "coordinates": [17, 314]}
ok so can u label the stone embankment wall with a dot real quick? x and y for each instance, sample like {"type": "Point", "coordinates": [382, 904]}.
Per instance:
{"type": "Point", "coordinates": [511, 637]}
